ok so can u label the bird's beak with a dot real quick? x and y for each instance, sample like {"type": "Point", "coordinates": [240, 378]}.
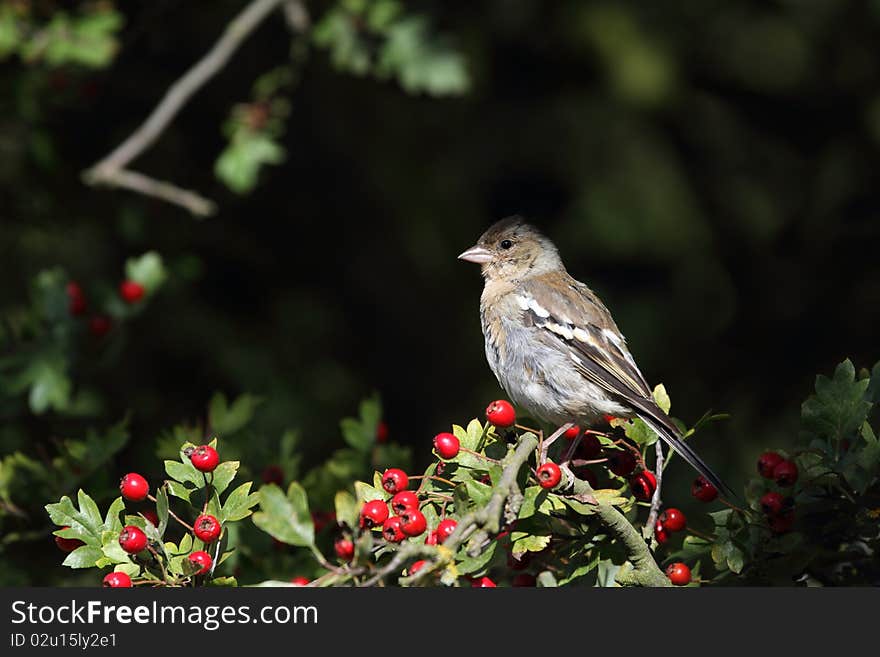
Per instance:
{"type": "Point", "coordinates": [477, 254]}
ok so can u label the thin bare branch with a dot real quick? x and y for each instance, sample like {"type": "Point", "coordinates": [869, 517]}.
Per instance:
{"type": "Point", "coordinates": [656, 499]}
{"type": "Point", "coordinates": [112, 170]}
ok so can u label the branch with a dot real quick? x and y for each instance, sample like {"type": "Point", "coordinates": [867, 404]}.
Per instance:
{"type": "Point", "coordinates": [644, 570]}
{"type": "Point", "coordinates": [655, 500]}
{"type": "Point", "coordinates": [487, 519]}
{"type": "Point", "coordinates": [111, 171]}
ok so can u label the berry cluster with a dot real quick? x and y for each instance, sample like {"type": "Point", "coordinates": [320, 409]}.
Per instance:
{"type": "Point", "coordinates": [99, 324]}
{"type": "Point", "coordinates": [778, 509]}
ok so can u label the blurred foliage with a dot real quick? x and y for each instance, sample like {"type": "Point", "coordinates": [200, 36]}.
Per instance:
{"type": "Point", "coordinates": [708, 167]}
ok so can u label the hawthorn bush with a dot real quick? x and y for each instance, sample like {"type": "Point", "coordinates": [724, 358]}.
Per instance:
{"type": "Point", "coordinates": [502, 503]}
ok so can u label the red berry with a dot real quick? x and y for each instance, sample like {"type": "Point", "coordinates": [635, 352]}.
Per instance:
{"type": "Point", "coordinates": [431, 538]}
{"type": "Point", "coordinates": [299, 580]}
{"type": "Point", "coordinates": [381, 432]}
{"type": "Point", "coordinates": [201, 559]}
{"type": "Point", "coordinates": [131, 292]}
{"type": "Point", "coordinates": [608, 418]}
{"type": "Point", "coordinates": [549, 475]}
{"type": "Point", "coordinates": [77, 299]}
{"type": "Point", "coordinates": [99, 325]}
{"type": "Point", "coordinates": [501, 414]}
{"type": "Point", "coordinates": [660, 533]}
{"type": "Point", "coordinates": [373, 514]}
{"type": "Point", "coordinates": [344, 548]}
{"type": "Point", "coordinates": [767, 462]}
{"type": "Point", "coordinates": [572, 433]}
{"type": "Point", "coordinates": [272, 474]}
{"type": "Point", "coordinates": [67, 544]}
{"type": "Point", "coordinates": [781, 523]}
{"type": "Point", "coordinates": [416, 567]}
{"type": "Point", "coordinates": [483, 583]}
{"type": "Point", "coordinates": [207, 528]}
{"type": "Point", "coordinates": [643, 485]}
{"type": "Point", "coordinates": [134, 487]}
{"type": "Point", "coordinates": [404, 500]}
{"type": "Point", "coordinates": [392, 530]}
{"type": "Point", "coordinates": [590, 447]}
{"type": "Point", "coordinates": [785, 473]}
{"type": "Point", "coordinates": [204, 458]}
{"type": "Point", "coordinates": [413, 522]}
{"type": "Point", "coordinates": [132, 539]}
{"type": "Point", "coordinates": [678, 573]}
{"type": "Point", "coordinates": [394, 480]}
{"type": "Point", "coordinates": [524, 579]}
{"type": "Point", "coordinates": [673, 520]}
{"type": "Point", "coordinates": [117, 580]}
{"type": "Point", "coordinates": [445, 528]}
{"type": "Point", "coordinates": [703, 490]}
{"type": "Point", "coordinates": [621, 463]}
{"type": "Point", "coordinates": [151, 517]}
{"type": "Point", "coordinates": [447, 445]}
{"type": "Point", "coordinates": [773, 504]}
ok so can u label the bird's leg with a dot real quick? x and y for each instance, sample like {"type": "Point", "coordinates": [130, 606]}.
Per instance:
{"type": "Point", "coordinates": [569, 453]}
{"type": "Point", "coordinates": [545, 446]}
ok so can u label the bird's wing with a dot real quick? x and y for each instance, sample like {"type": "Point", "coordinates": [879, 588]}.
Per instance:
{"type": "Point", "coordinates": [572, 317]}
{"type": "Point", "coordinates": [569, 312]}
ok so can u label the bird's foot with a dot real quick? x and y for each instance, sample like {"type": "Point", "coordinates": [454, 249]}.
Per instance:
{"type": "Point", "coordinates": [545, 445]}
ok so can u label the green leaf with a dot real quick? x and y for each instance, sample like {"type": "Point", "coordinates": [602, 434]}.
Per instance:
{"type": "Point", "coordinates": [223, 475]}
{"type": "Point", "coordinates": [238, 504]}
{"type": "Point", "coordinates": [839, 407]}
{"type": "Point", "coordinates": [84, 556]}
{"type": "Point", "coordinates": [177, 489]}
{"type": "Point", "coordinates": [367, 493]}
{"type": "Point", "coordinates": [286, 518]}
{"type": "Point", "coordinates": [162, 510]}
{"type": "Point", "coordinates": [226, 419]}
{"type": "Point", "coordinates": [346, 508]}
{"type": "Point", "coordinates": [85, 524]}
{"type": "Point", "coordinates": [147, 270]}
{"type": "Point", "coordinates": [662, 398]}
{"type": "Point", "coordinates": [185, 473]}
{"type": "Point", "coordinates": [240, 162]}
{"type": "Point", "coordinates": [872, 393]}
{"type": "Point", "coordinates": [638, 431]}
{"type": "Point", "coordinates": [528, 542]}
{"type": "Point", "coordinates": [360, 432]}
{"type": "Point", "coordinates": [112, 522]}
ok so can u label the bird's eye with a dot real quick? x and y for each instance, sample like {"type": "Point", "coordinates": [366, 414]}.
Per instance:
{"type": "Point", "coordinates": [506, 244]}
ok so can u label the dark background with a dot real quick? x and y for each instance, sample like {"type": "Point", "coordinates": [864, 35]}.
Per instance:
{"type": "Point", "coordinates": [708, 167]}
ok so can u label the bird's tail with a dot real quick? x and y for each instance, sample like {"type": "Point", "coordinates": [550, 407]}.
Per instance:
{"type": "Point", "coordinates": [664, 428]}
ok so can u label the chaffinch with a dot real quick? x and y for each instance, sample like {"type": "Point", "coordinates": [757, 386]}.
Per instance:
{"type": "Point", "coordinates": [553, 345]}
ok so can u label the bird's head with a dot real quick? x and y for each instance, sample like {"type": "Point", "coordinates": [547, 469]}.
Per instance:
{"type": "Point", "coordinates": [511, 249]}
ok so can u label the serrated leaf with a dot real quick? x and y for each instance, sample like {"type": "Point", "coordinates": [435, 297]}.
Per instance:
{"type": "Point", "coordinates": [286, 518]}
{"type": "Point", "coordinates": [528, 543]}
{"type": "Point", "coordinates": [839, 406]}
{"type": "Point", "coordinates": [223, 475]}
{"type": "Point", "coordinates": [85, 524]}
{"type": "Point", "coordinates": [367, 493]}
{"type": "Point", "coordinates": [347, 508]}
{"type": "Point", "coordinates": [638, 431]}
{"type": "Point", "coordinates": [112, 523]}
{"type": "Point", "coordinates": [185, 473]}
{"type": "Point", "coordinates": [239, 503]}
{"type": "Point", "coordinates": [84, 556]}
{"type": "Point", "coordinates": [226, 419]}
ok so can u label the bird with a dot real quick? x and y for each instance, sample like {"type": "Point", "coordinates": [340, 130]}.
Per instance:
{"type": "Point", "coordinates": [554, 346]}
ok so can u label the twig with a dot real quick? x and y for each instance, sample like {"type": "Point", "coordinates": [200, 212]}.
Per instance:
{"type": "Point", "coordinates": [173, 515]}
{"type": "Point", "coordinates": [111, 171]}
{"type": "Point", "coordinates": [655, 499]}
